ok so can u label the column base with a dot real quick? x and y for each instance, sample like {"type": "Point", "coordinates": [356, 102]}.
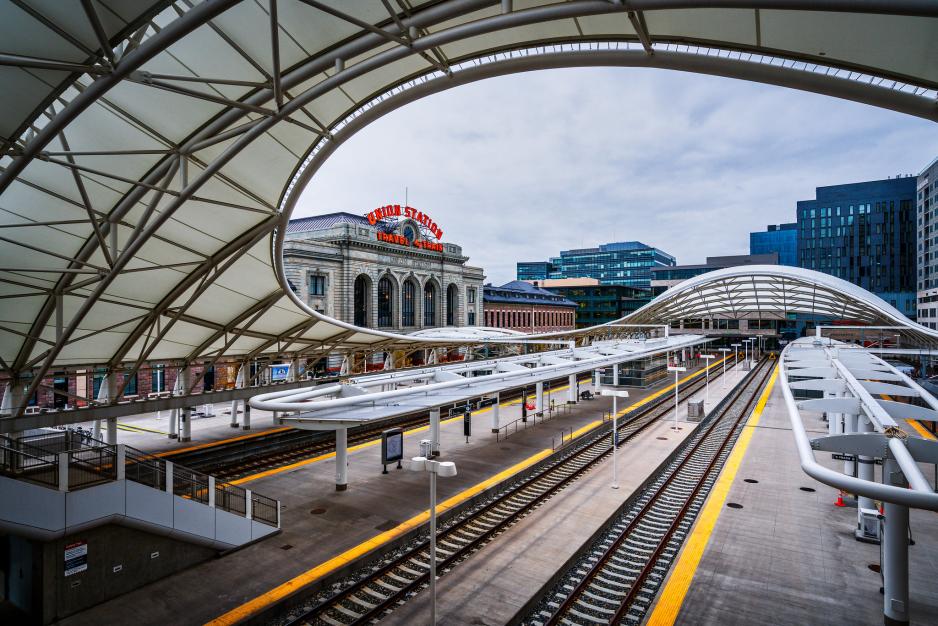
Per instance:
{"type": "Point", "coordinates": [571, 401]}
{"type": "Point", "coordinates": [341, 487]}
{"type": "Point", "coordinates": [235, 425]}
{"type": "Point", "coordinates": [495, 430]}
{"type": "Point", "coordinates": [435, 453]}
{"type": "Point", "coordinates": [185, 439]}
{"type": "Point", "coordinates": [245, 428]}
{"type": "Point", "coordinates": [889, 621]}
{"type": "Point", "coordinates": [174, 436]}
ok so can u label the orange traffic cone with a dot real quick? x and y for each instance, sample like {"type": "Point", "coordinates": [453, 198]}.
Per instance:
{"type": "Point", "coordinates": [840, 499]}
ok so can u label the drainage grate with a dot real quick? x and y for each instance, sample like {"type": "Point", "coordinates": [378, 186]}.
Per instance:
{"type": "Point", "coordinates": [808, 489]}
{"type": "Point", "coordinates": [662, 438]}
{"type": "Point", "coordinates": [317, 511]}
{"type": "Point", "coordinates": [286, 546]}
{"type": "Point", "coordinates": [734, 505]}
{"type": "Point", "coordinates": [752, 481]}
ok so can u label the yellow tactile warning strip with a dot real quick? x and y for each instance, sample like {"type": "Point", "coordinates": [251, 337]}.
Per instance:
{"type": "Point", "coordinates": [672, 596]}
{"type": "Point", "coordinates": [254, 606]}
{"type": "Point", "coordinates": [138, 429]}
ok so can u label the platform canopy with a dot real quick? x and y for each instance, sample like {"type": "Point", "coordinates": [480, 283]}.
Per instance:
{"type": "Point", "coordinates": [152, 152]}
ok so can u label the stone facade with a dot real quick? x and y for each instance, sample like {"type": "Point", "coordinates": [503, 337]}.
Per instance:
{"type": "Point", "coordinates": [402, 287]}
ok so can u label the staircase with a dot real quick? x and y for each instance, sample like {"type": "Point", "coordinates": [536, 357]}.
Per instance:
{"type": "Point", "coordinates": [56, 484]}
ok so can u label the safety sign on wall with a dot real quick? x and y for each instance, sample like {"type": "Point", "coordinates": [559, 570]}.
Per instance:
{"type": "Point", "coordinates": [76, 557]}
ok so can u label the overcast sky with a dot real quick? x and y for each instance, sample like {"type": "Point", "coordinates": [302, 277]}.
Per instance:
{"type": "Point", "coordinates": [521, 167]}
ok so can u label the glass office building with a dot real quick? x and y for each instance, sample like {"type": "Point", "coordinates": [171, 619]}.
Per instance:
{"type": "Point", "coordinates": [534, 270]}
{"type": "Point", "coordinates": [864, 233]}
{"type": "Point", "coordinates": [927, 228]}
{"type": "Point", "coordinates": [626, 263]}
{"type": "Point", "coordinates": [779, 238]}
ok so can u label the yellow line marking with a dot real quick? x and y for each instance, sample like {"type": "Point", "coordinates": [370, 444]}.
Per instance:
{"type": "Point", "coordinates": [672, 596]}
{"type": "Point", "coordinates": [254, 606]}
{"type": "Point", "coordinates": [921, 430]}
{"type": "Point", "coordinates": [142, 429]}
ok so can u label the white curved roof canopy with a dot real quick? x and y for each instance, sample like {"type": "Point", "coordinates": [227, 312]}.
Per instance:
{"type": "Point", "coordinates": [149, 149]}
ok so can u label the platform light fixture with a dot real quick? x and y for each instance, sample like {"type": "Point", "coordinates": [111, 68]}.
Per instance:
{"type": "Point", "coordinates": [446, 469]}
{"type": "Point", "coordinates": [677, 369]}
{"type": "Point", "coordinates": [616, 394]}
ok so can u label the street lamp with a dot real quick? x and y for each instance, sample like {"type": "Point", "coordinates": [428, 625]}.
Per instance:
{"type": "Point", "coordinates": [616, 394]}
{"type": "Point", "coordinates": [677, 372]}
{"type": "Point", "coordinates": [736, 356]}
{"type": "Point", "coordinates": [754, 342]}
{"type": "Point", "coordinates": [724, 351]}
{"type": "Point", "coordinates": [746, 343]}
{"type": "Point", "coordinates": [708, 358]}
{"type": "Point", "coordinates": [445, 469]}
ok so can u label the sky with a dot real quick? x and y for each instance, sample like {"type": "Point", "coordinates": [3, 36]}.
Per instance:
{"type": "Point", "coordinates": [518, 168]}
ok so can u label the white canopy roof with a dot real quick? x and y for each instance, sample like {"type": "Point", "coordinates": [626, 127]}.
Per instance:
{"type": "Point", "coordinates": [150, 150]}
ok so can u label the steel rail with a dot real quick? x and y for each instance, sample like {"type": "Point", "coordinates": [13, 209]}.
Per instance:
{"type": "Point", "coordinates": [583, 586]}
{"type": "Point", "coordinates": [589, 452]}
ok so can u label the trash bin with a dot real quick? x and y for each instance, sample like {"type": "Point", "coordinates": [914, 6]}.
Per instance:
{"type": "Point", "coordinates": [695, 410]}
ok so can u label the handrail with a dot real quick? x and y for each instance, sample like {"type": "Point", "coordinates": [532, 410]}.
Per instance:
{"type": "Point", "coordinates": [833, 478]}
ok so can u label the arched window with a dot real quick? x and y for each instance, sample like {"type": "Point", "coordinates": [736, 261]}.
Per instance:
{"type": "Point", "coordinates": [408, 303]}
{"type": "Point", "coordinates": [429, 304]}
{"type": "Point", "coordinates": [360, 304]}
{"type": "Point", "coordinates": [452, 301]}
{"type": "Point", "coordinates": [385, 305]}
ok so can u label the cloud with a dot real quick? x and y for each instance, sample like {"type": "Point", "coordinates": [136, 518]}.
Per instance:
{"type": "Point", "coordinates": [520, 167]}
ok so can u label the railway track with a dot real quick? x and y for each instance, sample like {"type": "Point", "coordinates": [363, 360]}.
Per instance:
{"type": "Point", "coordinates": [392, 581]}
{"type": "Point", "coordinates": [617, 578]}
{"type": "Point", "coordinates": [230, 461]}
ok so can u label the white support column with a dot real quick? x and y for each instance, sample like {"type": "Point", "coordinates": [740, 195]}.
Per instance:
{"type": "Point", "coordinates": [539, 397]}
{"type": "Point", "coordinates": [173, 423]}
{"type": "Point", "coordinates": [495, 412]}
{"type": "Point", "coordinates": [865, 467]}
{"type": "Point", "coordinates": [246, 422]}
{"type": "Point", "coordinates": [895, 553]}
{"type": "Point", "coordinates": [121, 461]}
{"type": "Point", "coordinates": [615, 375]}
{"type": "Point", "coordinates": [572, 395]}
{"type": "Point", "coordinates": [111, 431]}
{"type": "Point", "coordinates": [169, 477]}
{"type": "Point", "coordinates": [248, 505]}
{"type": "Point", "coordinates": [185, 433]}
{"type": "Point", "coordinates": [96, 430]}
{"type": "Point", "coordinates": [596, 381]}
{"type": "Point", "coordinates": [211, 491]}
{"type": "Point", "coordinates": [435, 431]}
{"type": "Point", "coordinates": [850, 427]}
{"type": "Point", "coordinates": [63, 470]}
{"type": "Point", "coordinates": [341, 459]}
{"type": "Point", "coordinates": [239, 384]}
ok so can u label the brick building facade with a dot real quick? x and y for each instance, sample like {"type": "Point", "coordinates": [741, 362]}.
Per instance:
{"type": "Point", "coordinates": [521, 306]}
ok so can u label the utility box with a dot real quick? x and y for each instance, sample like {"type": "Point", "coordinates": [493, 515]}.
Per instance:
{"type": "Point", "coordinates": [868, 527]}
{"type": "Point", "coordinates": [695, 410]}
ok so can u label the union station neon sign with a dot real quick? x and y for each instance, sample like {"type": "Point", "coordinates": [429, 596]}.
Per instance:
{"type": "Point", "coordinates": [410, 214]}
{"type": "Point", "coordinates": [407, 212]}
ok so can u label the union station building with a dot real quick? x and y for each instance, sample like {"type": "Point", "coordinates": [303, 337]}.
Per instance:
{"type": "Point", "coordinates": [389, 270]}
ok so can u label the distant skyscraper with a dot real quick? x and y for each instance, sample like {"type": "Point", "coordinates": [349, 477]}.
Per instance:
{"type": "Point", "coordinates": [626, 263]}
{"type": "Point", "coordinates": [927, 201]}
{"type": "Point", "coordinates": [864, 233]}
{"type": "Point", "coordinates": [781, 239]}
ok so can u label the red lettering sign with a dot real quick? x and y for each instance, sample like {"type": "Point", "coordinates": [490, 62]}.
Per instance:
{"type": "Point", "coordinates": [396, 210]}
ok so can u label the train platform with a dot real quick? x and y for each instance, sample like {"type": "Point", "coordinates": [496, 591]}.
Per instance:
{"type": "Point", "coordinates": [502, 580]}
{"type": "Point", "coordinates": [771, 547]}
{"type": "Point", "coordinates": [325, 530]}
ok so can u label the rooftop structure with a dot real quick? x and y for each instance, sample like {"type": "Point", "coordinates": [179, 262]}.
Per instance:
{"type": "Point", "coordinates": [663, 278]}
{"type": "Point", "coordinates": [620, 263]}
{"type": "Point", "coordinates": [782, 239]}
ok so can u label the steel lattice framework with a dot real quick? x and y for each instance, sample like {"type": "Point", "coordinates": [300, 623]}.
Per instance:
{"type": "Point", "coordinates": [150, 150]}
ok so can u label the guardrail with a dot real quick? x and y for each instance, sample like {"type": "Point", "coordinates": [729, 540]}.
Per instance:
{"type": "Point", "coordinates": [68, 462]}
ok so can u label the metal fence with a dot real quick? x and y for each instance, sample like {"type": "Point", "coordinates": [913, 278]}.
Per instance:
{"type": "Point", "coordinates": [264, 509]}
{"type": "Point", "coordinates": [91, 466]}
{"type": "Point", "coordinates": [145, 469]}
{"type": "Point", "coordinates": [24, 462]}
{"type": "Point", "coordinates": [231, 498]}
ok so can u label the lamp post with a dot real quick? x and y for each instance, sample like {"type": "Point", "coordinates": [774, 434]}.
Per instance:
{"type": "Point", "coordinates": [677, 372]}
{"type": "Point", "coordinates": [724, 351]}
{"type": "Point", "coordinates": [445, 469]}
{"type": "Point", "coordinates": [616, 394]}
{"type": "Point", "coordinates": [746, 343]}
{"type": "Point", "coordinates": [754, 343]}
{"type": "Point", "coordinates": [736, 356]}
{"type": "Point", "coordinates": [707, 358]}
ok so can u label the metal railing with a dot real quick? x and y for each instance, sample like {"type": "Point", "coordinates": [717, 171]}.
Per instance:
{"type": "Point", "coordinates": [531, 420]}
{"type": "Point", "coordinates": [91, 462]}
